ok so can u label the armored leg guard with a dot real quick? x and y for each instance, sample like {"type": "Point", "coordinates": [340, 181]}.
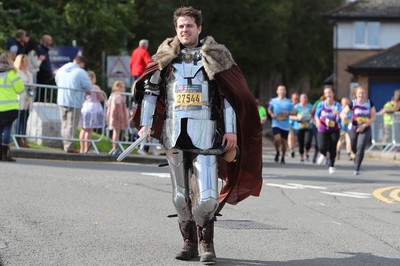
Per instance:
{"type": "Point", "coordinates": [180, 175]}
{"type": "Point", "coordinates": [206, 243]}
{"type": "Point", "coordinates": [190, 244]}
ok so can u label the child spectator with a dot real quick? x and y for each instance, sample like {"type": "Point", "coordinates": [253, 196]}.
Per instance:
{"type": "Point", "coordinates": [117, 114]}
{"type": "Point", "coordinates": [91, 113]}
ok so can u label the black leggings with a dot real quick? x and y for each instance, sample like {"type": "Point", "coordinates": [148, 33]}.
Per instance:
{"type": "Point", "coordinates": [327, 142]}
{"type": "Point", "coordinates": [358, 143]}
{"type": "Point", "coordinates": [304, 137]}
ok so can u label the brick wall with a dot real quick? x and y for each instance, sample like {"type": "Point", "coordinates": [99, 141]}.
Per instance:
{"type": "Point", "coordinates": [344, 58]}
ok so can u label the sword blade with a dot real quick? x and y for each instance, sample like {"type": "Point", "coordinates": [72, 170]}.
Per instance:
{"type": "Point", "coordinates": [132, 146]}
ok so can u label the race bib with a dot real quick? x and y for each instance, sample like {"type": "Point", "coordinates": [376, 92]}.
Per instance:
{"type": "Point", "coordinates": [188, 97]}
{"type": "Point", "coordinates": [304, 125]}
{"type": "Point", "coordinates": [281, 117]}
{"type": "Point", "coordinates": [362, 120]}
{"type": "Point", "coordinates": [331, 123]}
{"type": "Point", "coordinates": [346, 121]}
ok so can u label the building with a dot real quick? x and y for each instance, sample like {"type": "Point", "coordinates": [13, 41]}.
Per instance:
{"type": "Point", "coordinates": [364, 29]}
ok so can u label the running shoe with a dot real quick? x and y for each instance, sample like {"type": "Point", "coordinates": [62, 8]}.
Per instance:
{"type": "Point", "coordinates": [307, 157]}
{"type": "Point", "coordinates": [320, 159]}
{"type": "Point", "coordinates": [302, 160]}
{"type": "Point", "coordinates": [283, 160]}
{"type": "Point", "coordinates": [277, 157]}
{"type": "Point", "coordinates": [314, 159]}
{"type": "Point", "coordinates": [356, 172]}
{"type": "Point", "coordinates": [331, 170]}
{"type": "Point", "coordinates": [292, 154]}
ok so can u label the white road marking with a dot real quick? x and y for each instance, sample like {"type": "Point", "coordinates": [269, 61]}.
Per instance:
{"type": "Point", "coordinates": [270, 176]}
{"type": "Point", "coordinates": [344, 195]}
{"type": "Point", "coordinates": [359, 193]}
{"type": "Point", "coordinates": [160, 175]}
{"type": "Point", "coordinates": [282, 186]}
{"type": "Point", "coordinates": [305, 186]}
{"type": "Point", "coordinates": [316, 203]}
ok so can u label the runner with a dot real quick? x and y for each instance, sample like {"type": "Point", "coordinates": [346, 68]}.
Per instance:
{"type": "Point", "coordinates": [344, 131]}
{"type": "Point", "coordinates": [364, 115]}
{"type": "Point", "coordinates": [302, 125]}
{"type": "Point", "coordinates": [279, 109]}
{"type": "Point", "coordinates": [327, 121]}
{"type": "Point", "coordinates": [292, 138]}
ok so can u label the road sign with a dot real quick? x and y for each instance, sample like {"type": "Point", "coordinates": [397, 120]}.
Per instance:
{"type": "Point", "coordinates": [118, 69]}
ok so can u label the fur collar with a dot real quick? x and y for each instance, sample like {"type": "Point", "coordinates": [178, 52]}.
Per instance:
{"type": "Point", "coordinates": [215, 57]}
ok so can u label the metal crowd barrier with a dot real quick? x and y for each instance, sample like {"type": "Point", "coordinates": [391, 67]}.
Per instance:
{"type": "Point", "coordinates": [129, 134]}
{"type": "Point", "coordinates": [385, 137]}
{"type": "Point", "coordinates": [43, 125]}
{"type": "Point", "coordinates": [44, 120]}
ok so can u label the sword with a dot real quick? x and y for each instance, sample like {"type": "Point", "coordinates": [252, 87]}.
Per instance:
{"type": "Point", "coordinates": [133, 145]}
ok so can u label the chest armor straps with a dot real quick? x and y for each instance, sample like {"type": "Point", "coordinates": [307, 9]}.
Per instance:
{"type": "Point", "coordinates": [188, 97]}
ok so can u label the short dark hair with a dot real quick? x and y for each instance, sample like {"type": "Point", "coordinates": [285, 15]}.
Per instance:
{"type": "Point", "coordinates": [80, 59]}
{"type": "Point", "coordinates": [190, 12]}
{"type": "Point", "coordinates": [19, 33]}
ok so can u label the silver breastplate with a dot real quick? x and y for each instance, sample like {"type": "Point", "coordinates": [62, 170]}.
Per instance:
{"type": "Point", "coordinates": [188, 96]}
{"type": "Point", "coordinates": [187, 87]}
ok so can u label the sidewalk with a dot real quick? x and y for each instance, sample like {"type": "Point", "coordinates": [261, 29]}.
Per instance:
{"type": "Point", "coordinates": [102, 157]}
{"type": "Point", "coordinates": [151, 159]}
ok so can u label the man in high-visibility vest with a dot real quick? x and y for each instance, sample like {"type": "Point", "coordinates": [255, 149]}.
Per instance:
{"type": "Point", "coordinates": [10, 86]}
{"type": "Point", "coordinates": [388, 109]}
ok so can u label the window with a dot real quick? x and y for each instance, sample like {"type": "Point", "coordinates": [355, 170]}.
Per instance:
{"type": "Point", "coordinates": [366, 34]}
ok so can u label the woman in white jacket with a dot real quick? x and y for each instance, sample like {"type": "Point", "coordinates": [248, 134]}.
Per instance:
{"type": "Point", "coordinates": [25, 99]}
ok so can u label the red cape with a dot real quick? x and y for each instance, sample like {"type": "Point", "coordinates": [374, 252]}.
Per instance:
{"type": "Point", "coordinates": [243, 177]}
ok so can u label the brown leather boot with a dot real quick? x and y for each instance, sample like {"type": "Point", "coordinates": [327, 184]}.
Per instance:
{"type": "Point", "coordinates": [206, 243]}
{"type": "Point", "coordinates": [189, 234]}
{"type": "Point", "coordinates": [6, 154]}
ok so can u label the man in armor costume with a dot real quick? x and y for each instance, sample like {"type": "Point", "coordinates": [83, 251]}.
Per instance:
{"type": "Point", "coordinates": [195, 99]}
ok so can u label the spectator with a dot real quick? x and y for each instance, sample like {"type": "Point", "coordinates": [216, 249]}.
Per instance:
{"type": "Point", "coordinates": [25, 98]}
{"type": "Point", "coordinates": [45, 74]}
{"type": "Point", "coordinates": [388, 109]}
{"type": "Point", "coordinates": [91, 114]}
{"type": "Point", "coordinates": [72, 81]}
{"type": "Point", "coordinates": [117, 114]}
{"type": "Point", "coordinates": [17, 44]}
{"type": "Point", "coordinates": [10, 85]}
{"type": "Point", "coordinates": [140, 57]}
{"type": "Point", "coordinates": [34, 60]}
{"type": "Point", "coordinates": [360, 128]}
{"type": "Point", "coordinates": [280, 108]}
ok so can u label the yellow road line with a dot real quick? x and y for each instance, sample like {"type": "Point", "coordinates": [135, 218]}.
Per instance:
{"type": "Point", "coordinates": [378, 194]}
{"type": "Point", "coordinates": [395, 194]}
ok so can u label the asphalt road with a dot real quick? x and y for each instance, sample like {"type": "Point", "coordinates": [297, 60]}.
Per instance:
{"type": "Point", "coordinates": [93, 213]}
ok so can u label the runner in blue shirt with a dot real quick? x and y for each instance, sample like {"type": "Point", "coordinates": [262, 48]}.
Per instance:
{"type": "Point", "coordinates": [302, 125]}
{"type": "Point", "coordinates": [279, 109]}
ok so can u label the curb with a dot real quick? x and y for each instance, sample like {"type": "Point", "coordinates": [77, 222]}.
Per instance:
{"type": "Point", "coordinates": [55, 155]}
